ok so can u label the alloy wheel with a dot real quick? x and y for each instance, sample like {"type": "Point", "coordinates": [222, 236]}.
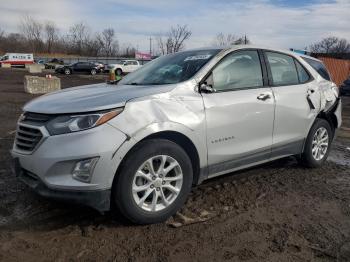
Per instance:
{"type": "Point", "coordinates": [157, 183]}
{"type": "Point", "coordinates": [320, 143]}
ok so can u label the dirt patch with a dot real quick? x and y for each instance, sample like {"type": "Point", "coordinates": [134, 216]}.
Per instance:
{"type": "Point", "coordinates": [275, 212]}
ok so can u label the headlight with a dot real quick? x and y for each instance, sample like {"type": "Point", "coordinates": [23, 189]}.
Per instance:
{"type": "Point", "coordinates": [73, 123]}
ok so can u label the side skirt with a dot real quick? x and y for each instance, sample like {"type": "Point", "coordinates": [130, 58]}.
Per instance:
{"type": "Point", "coordinates": [277, 152]}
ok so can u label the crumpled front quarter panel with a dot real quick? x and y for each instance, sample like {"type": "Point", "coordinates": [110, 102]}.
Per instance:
{"type": "Point", "coordinates": [180, 110]}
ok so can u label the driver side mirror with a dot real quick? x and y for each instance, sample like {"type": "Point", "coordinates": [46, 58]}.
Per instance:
{"type": "Point", "coordinates": [205, 88]}
{"type": "Point", "coordinates": [207, 85]}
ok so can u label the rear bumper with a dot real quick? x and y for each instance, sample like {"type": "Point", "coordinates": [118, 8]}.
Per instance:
{"type": "Point", "coordinates": [97, 199]}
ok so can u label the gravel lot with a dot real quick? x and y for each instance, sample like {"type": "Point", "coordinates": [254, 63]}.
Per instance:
{"type": "Point", "coordinates": [275, 212]}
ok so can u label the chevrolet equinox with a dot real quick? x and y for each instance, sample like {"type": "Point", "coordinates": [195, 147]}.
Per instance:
{"type": "Point", "coordinates": [140, 145]}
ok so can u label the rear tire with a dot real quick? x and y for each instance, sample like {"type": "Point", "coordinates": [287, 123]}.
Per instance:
{"type": "Point", "coordinates": [93, 72]}
{"type": "Point", "coordinates": [144, 196]}
{"type": "Point", "coordinates": [318, 144]}
{"type": "Point", "coordinates": [67, 71]}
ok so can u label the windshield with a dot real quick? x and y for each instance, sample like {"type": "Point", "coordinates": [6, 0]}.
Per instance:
{"type": "Point", "coordinates": [170, 69]}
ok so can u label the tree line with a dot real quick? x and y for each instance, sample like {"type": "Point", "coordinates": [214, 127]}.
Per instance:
{"type": "Point", "coordinates": [39, 37]}
{"type": "Point", "coordinates": [46, 38]}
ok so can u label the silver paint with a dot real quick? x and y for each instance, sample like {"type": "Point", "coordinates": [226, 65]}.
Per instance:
{"type": "Point", "coordinates": [259, 131]}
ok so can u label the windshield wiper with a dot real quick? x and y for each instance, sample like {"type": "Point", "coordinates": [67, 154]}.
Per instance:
{"type": "Point", "coordinates": [146, 84]}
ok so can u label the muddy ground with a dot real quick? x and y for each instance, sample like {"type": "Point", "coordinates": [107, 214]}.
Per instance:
{"type": "Point", "coordinates": [275, 212]}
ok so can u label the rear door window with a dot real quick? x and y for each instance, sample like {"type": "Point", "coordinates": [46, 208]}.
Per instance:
{"type": "Point", "coordinates": [319, 67]}
{"type": "Point", "coordinates": [283, 69]}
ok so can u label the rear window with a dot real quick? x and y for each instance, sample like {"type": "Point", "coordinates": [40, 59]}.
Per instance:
{"type": "Point", "coordinates": [319, 67]}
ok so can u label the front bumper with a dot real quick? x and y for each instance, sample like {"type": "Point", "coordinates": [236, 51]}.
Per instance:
{"type": "Point", "coordinates": [51, 165]}
{"type": "Point", "coordinates": [97, 199]}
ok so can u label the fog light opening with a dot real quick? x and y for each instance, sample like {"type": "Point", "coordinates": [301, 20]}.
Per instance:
{"type": "Point", "coordinates": [83, 169]}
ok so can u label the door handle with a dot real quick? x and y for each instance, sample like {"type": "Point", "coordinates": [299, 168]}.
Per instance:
{"type": "Point", "coordinates": [263, 97]}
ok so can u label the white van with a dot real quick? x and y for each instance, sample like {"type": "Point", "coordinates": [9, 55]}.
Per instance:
{"type": "Point", "coordinates": [17, 59]}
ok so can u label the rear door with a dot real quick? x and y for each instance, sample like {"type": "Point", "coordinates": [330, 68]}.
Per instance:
{"type": "Point", "coordinates": [297, 102]}
{"type": "Point", "coordinates": [135, 65]}
{"type": "Point", "coordinates": [239, 113]}
{"type": "Point", "coordinates": [77, 67]}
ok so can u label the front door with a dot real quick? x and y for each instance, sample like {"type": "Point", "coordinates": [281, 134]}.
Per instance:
{"type": "Point", "coordinates": [239, 113]}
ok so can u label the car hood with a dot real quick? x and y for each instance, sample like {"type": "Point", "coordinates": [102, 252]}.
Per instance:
{"type": "Point", "coordinates": [91, 98]}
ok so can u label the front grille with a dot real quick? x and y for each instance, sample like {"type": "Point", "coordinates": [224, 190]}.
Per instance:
{"type": "Point", "coordinates": [28, 133]}
{"type": "Point", "coordinates": [35, 118]}
{"type": "Point", "coordinates": [27, 138]}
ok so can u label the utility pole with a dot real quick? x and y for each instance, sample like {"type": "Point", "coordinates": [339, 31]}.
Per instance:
{"type": "Point", "coordinates": [245, 39]}
{"type": "Point", "coordinates": [150, 45]}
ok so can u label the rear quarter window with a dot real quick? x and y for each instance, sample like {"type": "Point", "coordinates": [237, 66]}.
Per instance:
{"type": "Point", "coordinates": [302, 73]}
{"type": "Point", "coordinates": [319, 67]}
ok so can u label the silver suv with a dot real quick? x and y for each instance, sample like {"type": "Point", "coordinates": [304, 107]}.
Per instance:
{"type": "Point", "coordinates": [139, 146]}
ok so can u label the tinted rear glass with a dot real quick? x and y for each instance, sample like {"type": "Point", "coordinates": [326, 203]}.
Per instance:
{"type": "Point", "coordinates": [319, 67]}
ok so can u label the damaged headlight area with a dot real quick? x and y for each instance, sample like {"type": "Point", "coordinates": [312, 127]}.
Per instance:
{"type": "Point", "coordinates": [73, 123]}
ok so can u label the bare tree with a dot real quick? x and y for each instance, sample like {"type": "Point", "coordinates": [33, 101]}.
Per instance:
{"type": "Point", "coordinates": [92, 46]}
{"type": "Point", "coordinates": [108, 43]}
{"type": "Point", "coordinates": [127, 50]}
{"type": "Point", "coordinates": [14, 42]}
{"type": "Point", "coordinates": [230, 39]}
{"type": "Point", "coordinates": [51, 34]}
{"type": "Point", "coordinates": [32, 31]}
{"type": "Point", "coordinates": [243, 40]}
{"type": "Point", "coordinates": [2, 33]}
{"type": "Point", "coordinates": [79, 34]}
{"type": "Point", "coordinates": [174, 40]}
{"type": "Point", "coordinates": [331, 45]}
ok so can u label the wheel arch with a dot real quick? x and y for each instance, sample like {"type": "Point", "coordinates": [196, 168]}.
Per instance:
{"type": "Point", "coordinates": [118, 68]}
{"type": "Point", "coordinates": [174, 136]}
{"type": "Point", "coordinates": [330, 117]}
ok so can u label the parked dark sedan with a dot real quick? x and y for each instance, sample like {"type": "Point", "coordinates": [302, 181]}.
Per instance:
{"type": "Point", "coordinates": [345, 87]}
{"type": "Point", "coordinates": [79, 67]}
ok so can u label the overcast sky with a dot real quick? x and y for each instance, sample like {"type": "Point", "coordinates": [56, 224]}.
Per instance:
{"type": "Point", "coordinates": [277, 23]}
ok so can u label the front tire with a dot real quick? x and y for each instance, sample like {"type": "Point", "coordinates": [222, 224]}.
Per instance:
{"type": "Point", "coordinates": [154, 182]}
{"type": "Point", "coordinates": [93, 72]}
{"type": "Point", "coordinates": [318, 143]}
{"type": "Point", "coordinates": [67, 71]}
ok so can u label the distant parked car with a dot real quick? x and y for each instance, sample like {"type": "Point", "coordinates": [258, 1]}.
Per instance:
{"type": "Point", "coordinates": [345, 88]}
{"type": "Point", "coordinates": [39, 62]}
{"type": "Point", "coordinates": [53, 63]}
{"type": "Point", "coordinates": [124, 66]}
{"type": "Point", "coordinates": [79, 67]}
{"type": "Point", "coordinates": [100, 65]}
